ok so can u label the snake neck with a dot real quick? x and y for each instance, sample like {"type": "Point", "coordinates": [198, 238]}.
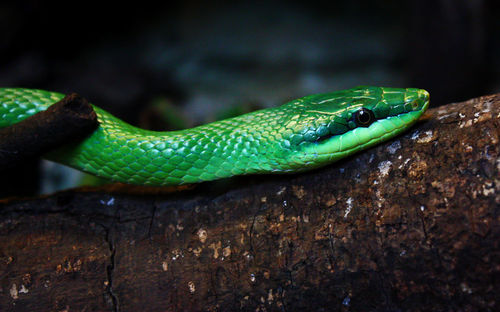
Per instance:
{"type": "Point", "coordinates": [121, 152]}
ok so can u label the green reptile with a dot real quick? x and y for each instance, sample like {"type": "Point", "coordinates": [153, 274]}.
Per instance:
{"type": "Point", "coordinates": [306, 133]}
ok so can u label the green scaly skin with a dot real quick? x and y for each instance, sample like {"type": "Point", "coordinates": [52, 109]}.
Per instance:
{"type": "Point", "coordinates": [303, 134]}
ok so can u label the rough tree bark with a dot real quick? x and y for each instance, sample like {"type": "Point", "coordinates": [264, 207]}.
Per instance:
{"type": "Point", "coordinates": [410, 225]}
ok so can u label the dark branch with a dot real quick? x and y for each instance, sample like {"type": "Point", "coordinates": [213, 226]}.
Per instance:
{"type": "Point", "coordinates": [68, 120]}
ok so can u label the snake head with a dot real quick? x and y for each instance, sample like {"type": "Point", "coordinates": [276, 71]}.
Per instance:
{"type": "Point", "coordinates": [327, 127]}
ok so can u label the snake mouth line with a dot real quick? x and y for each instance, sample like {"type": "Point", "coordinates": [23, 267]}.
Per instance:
{"type": "Point", "coordinates": [414, 114]}
{"type": "Point", "coordinates": [337, 146]}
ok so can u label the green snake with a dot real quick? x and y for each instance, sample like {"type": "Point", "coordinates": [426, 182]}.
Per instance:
{"type": "Point", "coordinates": [303, 134]}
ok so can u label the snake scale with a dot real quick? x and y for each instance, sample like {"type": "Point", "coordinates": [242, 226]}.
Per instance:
{"type": "Point", "coordinates": [305, 133]}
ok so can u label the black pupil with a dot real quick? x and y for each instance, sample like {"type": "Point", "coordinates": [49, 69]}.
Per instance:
{"type": "Point", "coordinates": [364, 117]}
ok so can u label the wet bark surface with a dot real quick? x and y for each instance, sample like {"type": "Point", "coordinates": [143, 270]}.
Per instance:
{"type": "Point", "coordinates": [410, 225]}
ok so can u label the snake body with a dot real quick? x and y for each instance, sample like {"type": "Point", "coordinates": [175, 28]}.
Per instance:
{"type": "Point", "coordinates": [302, 134]}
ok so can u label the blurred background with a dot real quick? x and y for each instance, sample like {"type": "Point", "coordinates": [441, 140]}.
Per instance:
{"type": "Point", "coordinates": [198, 59]}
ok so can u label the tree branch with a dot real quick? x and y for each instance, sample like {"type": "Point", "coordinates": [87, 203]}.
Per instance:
{"type": "Point", "coordinates": [409, 225]}
{"type": "Point", "coordinates": [68, 120]}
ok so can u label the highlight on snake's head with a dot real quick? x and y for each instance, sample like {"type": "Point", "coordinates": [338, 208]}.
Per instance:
{"type": "Point", "coordinates": [306, 133]}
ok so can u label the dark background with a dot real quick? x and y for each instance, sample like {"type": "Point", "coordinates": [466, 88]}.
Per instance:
{"type": "Point", "coordinates": [204, 57]}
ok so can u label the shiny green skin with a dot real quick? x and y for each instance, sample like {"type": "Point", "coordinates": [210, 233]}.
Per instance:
{"type": "Point", "coordinates": [303, 134]}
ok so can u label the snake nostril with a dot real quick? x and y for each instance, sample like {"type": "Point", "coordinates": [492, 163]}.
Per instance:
{"type": "Point", "coordinates": [423, 94]}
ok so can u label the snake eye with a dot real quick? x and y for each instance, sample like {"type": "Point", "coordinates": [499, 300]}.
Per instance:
{"type": "Point", "coordinates": [364, 117]}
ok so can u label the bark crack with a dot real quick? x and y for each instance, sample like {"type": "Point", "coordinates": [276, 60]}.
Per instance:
{"type": "Point", "coordinates": [110, 270]}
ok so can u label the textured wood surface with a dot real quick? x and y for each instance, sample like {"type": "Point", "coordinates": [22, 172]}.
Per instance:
{"type": "Point", "coordinates": [410, 225]}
